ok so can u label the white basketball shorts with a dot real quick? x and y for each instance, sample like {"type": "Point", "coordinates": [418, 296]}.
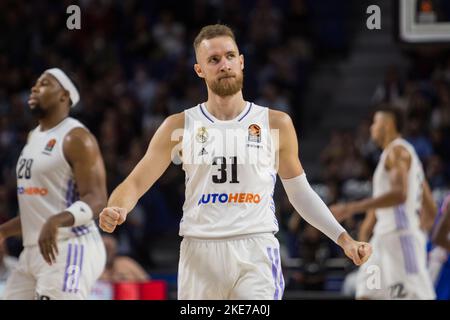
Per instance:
{"type": "Point", "coordinates": [397, 268]}
{"type": "Point", "coordinates": [245, 267]}
{"type": "Point", "coordinates": [80, 262]}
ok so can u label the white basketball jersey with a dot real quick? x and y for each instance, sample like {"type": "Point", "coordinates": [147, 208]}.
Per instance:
{"type": "Point", "coordinates": [230, 174]}
{"type": "Point", "coordinates": [406, 215]}
{"type": "Point", "coordinates": [45, 182]}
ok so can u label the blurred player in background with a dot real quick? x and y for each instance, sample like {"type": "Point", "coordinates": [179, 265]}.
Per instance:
{"type": "Point", "coordinates": [441, 234]}
{"type": "Point", "coordinates": [229, 250]}
{"type": "Point", "coordinates": [439, 254]}
{"type": "Point", "coordinates": [399, 212]}
{"type": "Point", "coordinates": [61, 188]}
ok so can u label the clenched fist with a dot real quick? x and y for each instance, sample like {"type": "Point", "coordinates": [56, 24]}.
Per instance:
{"type": "Point", "coordinates": [111, 217]}
{"type": "Point", "coordinates": [358, 252]}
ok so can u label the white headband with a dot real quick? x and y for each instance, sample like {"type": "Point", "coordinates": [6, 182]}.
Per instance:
{"type": "Point", "coordinates": [66, 83]}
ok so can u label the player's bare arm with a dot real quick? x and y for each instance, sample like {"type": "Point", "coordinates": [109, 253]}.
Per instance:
{"type": "Point", "coordinates": [301, 195]}
{"type": "Point", "coordinates": [144, 175]}
{"type": "Point", "coordinates": [429, 208]}
{"type": "Point", "coordinates": [288, 165]}
{"type": "Point", "coordinates": [83, 154]}
{"type": "Point", "coordinates": [366, 229]}
{"type": "Point", "coordinates": [398, 162]}
{"type": "Point", "coordinates": [11, 228]}
{"type": "Point", "coordinates": [441, 235]}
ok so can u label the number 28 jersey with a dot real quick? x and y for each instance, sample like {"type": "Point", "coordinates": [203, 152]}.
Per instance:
{"type": "Point", "coordinates": [45, 182]}
{"type": "Point", "coordinates": [230, 174]}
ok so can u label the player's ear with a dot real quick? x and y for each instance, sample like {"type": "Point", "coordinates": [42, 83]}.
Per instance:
{"type": "Point", "coordinates": [65, 96]}
{"type": "Point", "coordinates": [241, 58]}
{"type": "Point", "coordinates": [198, 70]}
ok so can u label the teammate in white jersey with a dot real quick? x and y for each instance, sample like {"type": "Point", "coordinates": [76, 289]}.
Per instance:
{"type": "Point", "coordinates": [229, 250]}
{"type": "Point", "coordinates": [439, 252]}
{"type": "Point", "coordinates": [400, 211]}
{"type": "Point", "coordinates": [441, 234]}
{"type": "Point", "coordinates": [61, 188]}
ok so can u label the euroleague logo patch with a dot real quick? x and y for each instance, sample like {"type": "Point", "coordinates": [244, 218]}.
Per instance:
{"type": "Point", "coordinates": [254, 133]}
{"type": "Point", "coordinates": [49, 147]}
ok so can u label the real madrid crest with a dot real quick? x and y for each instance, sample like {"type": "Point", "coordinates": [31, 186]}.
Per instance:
{"type": "Point", "coordinates": [202, 135]}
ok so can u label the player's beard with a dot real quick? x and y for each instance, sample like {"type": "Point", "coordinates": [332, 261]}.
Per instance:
{"type": "Point", "coordinates": [38, 112]}
{"type": "Point", "coordinates": [229, 86]}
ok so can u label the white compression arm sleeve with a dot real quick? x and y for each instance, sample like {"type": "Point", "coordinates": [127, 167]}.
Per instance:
{"type": "Point", "coordinates": [309, 205]}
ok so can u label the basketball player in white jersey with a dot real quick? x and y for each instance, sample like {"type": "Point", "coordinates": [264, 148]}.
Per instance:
{"type": "Point", "coordinates": [441, 234]}
{"type": "Point", "coordinates": [61, 188]}
{"type": "Point", "coordinates": [401, 210]}
{"type": "Point", "coordinates": [229, 250]}
{"type": "Point", "coordinates": [439, 252]}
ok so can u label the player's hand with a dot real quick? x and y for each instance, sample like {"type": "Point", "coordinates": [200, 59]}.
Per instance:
{"type": "Point", "coordinates": [47, 241]}
{"type": "Point", "coordinates": [358, 252]}
{"type": "Point", "coordinates": [111, 217]}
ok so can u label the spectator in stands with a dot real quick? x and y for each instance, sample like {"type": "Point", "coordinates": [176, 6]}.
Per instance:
{"type": "Point", "coordinates": [435, 173]}
{"type": "Point", "coordinates": [270, 96]}
{"type": "Point", "coordinates": [440, 116]}
{"type": "Point", "coordinates": [313, 251]}
{"type": "Point", "coordinates": [120, 268]}
{"type": "Point", "coordinates": [392, 88]}
{"type": "Point", "coordinates": [415, 134]}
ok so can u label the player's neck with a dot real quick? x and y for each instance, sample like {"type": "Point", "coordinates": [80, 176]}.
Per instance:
{"type": "Point", "coordinates": [389, 138]}
{"type": "Point", "coordinates": [225, 108]}
{"type": "Point", "coordinates": [52, 120]}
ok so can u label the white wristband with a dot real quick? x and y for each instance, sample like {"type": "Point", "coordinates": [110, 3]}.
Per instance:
{"type": "Point", "coordinates": [82, 213]}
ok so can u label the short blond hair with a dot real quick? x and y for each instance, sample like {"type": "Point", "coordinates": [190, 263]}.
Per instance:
{"type": "Point", "coordinates": [213, 31]}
